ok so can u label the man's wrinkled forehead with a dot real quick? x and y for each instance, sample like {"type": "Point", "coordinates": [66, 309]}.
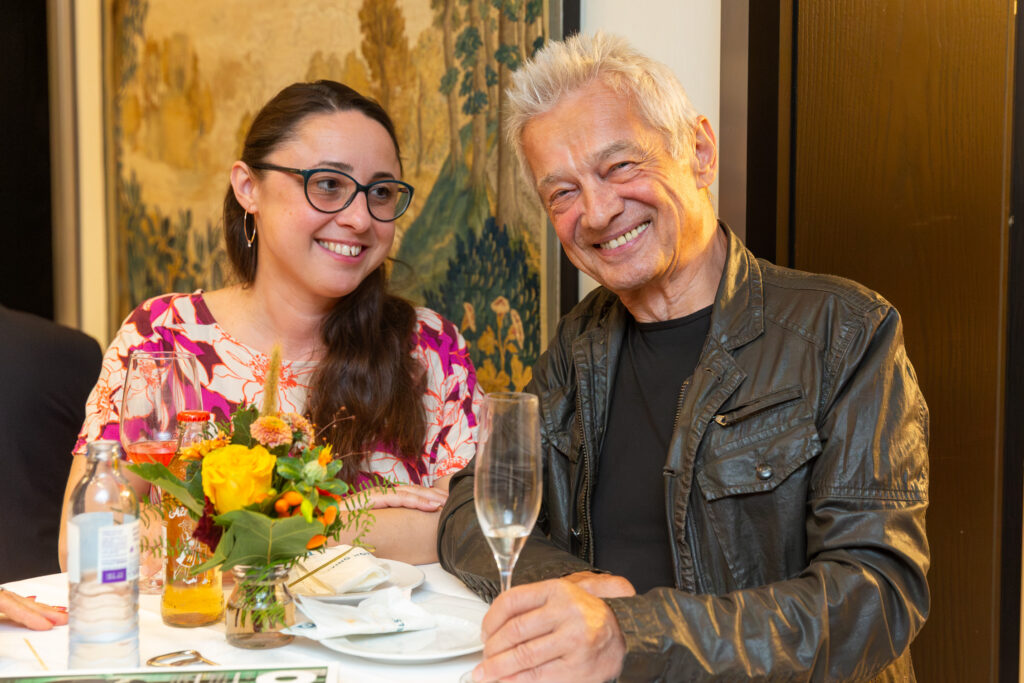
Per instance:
{"type": "Point", "coordinates": [633, 147]}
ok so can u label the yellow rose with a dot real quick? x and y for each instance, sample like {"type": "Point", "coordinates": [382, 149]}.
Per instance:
{"type": "Point", "coordinates": [235, 476]}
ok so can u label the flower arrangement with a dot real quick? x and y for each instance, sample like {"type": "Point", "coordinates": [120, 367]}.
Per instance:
{"type": "Point", "coordinates": [263, 492]}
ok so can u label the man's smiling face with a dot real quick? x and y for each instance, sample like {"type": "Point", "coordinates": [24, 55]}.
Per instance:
{"type": "Point", "coordinates": [626, 212]}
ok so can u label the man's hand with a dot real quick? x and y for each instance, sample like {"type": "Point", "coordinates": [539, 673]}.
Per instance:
{"type": "Point", "coordinates": [550, 631]}
{"type": "Point", "coordinates": [28, 612]}
{"type": "Point", "coordinates": [602, 585]}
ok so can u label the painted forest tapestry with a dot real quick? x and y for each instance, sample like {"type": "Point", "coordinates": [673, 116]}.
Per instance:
{"type": "Point", "coordinates": [186, 77]}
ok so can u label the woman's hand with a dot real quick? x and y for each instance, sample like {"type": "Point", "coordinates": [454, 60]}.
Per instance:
{"type": "Point", "coordinates": [28, 612]}
{"type": "Point", "coordinates": [410, 496]}
{"type": "Point", "coordinates": [405, 521]}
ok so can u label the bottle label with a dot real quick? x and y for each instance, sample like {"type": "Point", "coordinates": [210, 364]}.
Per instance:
{"type": "Point", "coordinates": [74, 552]}
{"type": "Point", "coordinates": [96, 543]}
{"type": "Point", "coordinates": [114, 552]}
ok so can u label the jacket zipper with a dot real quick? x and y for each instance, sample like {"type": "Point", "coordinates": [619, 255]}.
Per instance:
{"type": "Point", "coordinates": [769, 402]}
{"type": "Point", "coordinates": [583, 502]}
{"type": "Point", "coordinates": [672, 480]}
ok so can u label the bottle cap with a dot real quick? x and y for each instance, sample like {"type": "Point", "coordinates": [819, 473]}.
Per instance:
{"type": "Point", "coordinates": [194, 416]}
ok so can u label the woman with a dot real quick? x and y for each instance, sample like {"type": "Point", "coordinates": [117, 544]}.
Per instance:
{"type": "Point", "coordinates": [29, 613]}
{"type": "Point", "coordinates": [309, 222]}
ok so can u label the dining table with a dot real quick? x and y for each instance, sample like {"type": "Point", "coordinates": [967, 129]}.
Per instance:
{"type": "Point", "coordinates": [44, 653]}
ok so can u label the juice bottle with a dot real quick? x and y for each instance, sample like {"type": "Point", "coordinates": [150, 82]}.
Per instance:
{"type": "Point", "coordinates": [188, 600]}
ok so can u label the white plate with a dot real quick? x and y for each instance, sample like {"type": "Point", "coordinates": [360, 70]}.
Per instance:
{"type": "Point", "coordinates": [402, 576]}
{"type": "Point", "coordinates": [457, 633]}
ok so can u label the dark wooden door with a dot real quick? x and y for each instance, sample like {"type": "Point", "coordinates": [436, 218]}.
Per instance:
{"type": "Point", "coordinates": [900, 163]}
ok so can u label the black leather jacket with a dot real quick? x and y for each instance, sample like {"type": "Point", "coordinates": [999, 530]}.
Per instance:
{"type": "Point", "coordinates": [795, 486]}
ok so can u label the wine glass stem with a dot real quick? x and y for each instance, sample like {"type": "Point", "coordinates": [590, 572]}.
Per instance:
{"type": "Point", "coordinates": [505, 564]}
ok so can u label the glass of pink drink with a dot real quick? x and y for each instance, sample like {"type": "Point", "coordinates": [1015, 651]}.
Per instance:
{"type": "Point", "coordinates": [159, 384]}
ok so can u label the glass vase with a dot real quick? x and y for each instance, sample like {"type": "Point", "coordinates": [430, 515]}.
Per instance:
{"type": "Point", "coordinates": [259, 608]}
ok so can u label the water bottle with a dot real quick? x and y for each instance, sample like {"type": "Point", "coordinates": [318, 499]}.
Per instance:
{"type": "Point", "coordinates": [103, 565]}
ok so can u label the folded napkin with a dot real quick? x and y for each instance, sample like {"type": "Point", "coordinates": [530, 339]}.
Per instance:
{"type": "Point", "coordinates": [388, 611]}
{"type": "Point", "coordinates": [341, 569]}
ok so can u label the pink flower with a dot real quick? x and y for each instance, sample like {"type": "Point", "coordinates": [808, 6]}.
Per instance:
{"type": "Point", "coordinates": [297, 423]}
{"type": "Point", "coordinates": [271, 431]}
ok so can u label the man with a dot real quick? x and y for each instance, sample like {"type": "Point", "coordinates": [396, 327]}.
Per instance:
{"type": "Point", "coordinates": [735, 453]}
{"type": "Point", "coordinates": [46, 372]}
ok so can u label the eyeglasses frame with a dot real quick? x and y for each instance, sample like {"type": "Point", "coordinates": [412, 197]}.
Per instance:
{"type": "Point", "coordinates": [308, 173]}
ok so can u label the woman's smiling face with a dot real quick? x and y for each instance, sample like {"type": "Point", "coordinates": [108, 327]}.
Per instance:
{"type": "Point", "coordinates": [326, 255]}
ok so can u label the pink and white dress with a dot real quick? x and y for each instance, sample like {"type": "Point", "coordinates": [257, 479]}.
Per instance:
{"type": "Point", "coordinates": [232, 374]}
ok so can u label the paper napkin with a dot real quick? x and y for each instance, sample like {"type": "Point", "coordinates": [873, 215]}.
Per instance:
{"type": "Point", "coordinates": [388, 611]}
{"type": "Point", "coordinates": [341, 569]}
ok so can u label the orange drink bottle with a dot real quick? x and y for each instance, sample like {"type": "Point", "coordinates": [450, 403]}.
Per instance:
{"type": "Point", "coordinates": [188, 599]}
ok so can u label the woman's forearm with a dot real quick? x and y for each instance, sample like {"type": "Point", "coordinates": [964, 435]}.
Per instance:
{"type": "Point", "coordinates": [401, 534]}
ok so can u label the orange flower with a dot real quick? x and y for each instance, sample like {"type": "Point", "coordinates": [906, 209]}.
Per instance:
{"type": "Point", "coordinates": [293, 498]}
{"type": "Point", "coordinates": [271, 431]}
{"type": "Point", "coordinates": [330, 514]}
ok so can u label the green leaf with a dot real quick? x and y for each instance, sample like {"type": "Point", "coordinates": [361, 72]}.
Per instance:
{"type": "Point", "coordinates": [289, 468]}
{"type": "Point", "coordinates": [241, 420]}
{"type": "Point", "coordinates": [251, 538]}
{"type": "Point", "coordinates": [158, 474]}
{"type": "Point", "coordinates": [335, 486]}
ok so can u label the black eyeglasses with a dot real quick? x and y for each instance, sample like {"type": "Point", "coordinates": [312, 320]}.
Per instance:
{"type": "Point", "coordinates": [331, 191]}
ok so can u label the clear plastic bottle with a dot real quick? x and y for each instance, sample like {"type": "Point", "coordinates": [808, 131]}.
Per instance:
{"type": "Point", "coordinates": [188, 600]}
{"type": "Point", "coordinates": [103, 565]}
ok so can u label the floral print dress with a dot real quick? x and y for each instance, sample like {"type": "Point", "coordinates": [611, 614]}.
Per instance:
{"type": "Point", "coordinates": [232, 374]}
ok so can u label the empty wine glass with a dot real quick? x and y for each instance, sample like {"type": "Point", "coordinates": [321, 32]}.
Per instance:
{"type": "Point", "coordinates": [158, 385]}
{"type": "Point", "coordinates": [507, 477]}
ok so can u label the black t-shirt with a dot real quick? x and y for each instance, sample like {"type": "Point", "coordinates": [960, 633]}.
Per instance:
{"type": "Point", "coordinates": [631, 532]}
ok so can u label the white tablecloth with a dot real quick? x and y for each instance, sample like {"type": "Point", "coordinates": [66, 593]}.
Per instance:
{"type": "Point", "coordinates": [155, 638]}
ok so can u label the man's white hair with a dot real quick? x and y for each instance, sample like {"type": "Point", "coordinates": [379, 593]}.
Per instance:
{"type": "Point", "coordinates": [563, 67]}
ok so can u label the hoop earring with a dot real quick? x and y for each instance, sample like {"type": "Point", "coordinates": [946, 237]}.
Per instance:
{"type": "Point", "coordinates": [245, 230]}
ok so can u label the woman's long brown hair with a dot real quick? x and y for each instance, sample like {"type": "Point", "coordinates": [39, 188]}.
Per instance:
{"type": "Point", "coordinates": [368, 388]}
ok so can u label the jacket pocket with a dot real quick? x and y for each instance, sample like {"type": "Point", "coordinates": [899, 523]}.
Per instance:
{"type": "Point", "coordinates": [562, 443]}
{"type": "Point", "coordinates": [752, 481]}
{"type": "Point", "coordinates": [756, 406]}
{"type": "Point", "coordinates": [760, 461]}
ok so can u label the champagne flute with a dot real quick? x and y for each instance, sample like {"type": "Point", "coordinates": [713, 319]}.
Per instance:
{"type": "Point", "coordinates": [507, 476]}
{"type": "Point", "coordinates": [158, 385]}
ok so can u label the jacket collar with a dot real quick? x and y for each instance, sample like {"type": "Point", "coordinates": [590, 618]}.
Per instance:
{"type": "Point", "coordinates": [737, 315]}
